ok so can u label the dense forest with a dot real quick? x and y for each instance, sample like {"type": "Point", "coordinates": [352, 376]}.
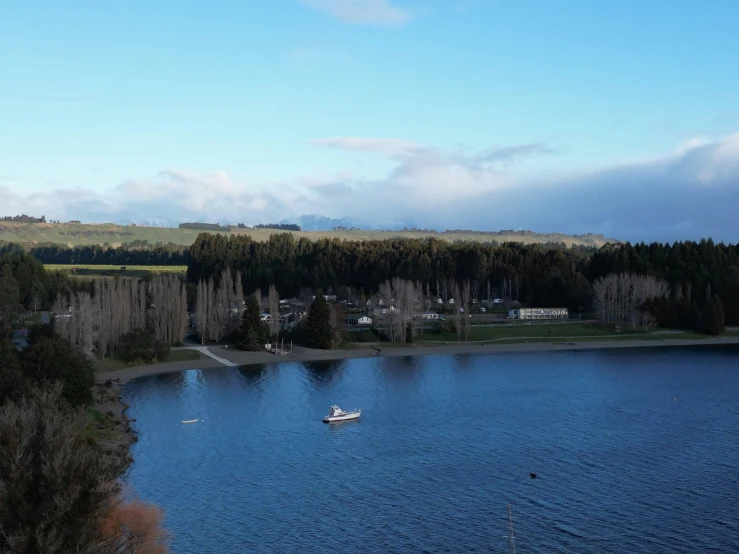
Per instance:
{"type": "Point", "coordinates": [543, 275]}
{"type": "Point", "coordinates": [59, 472]}
{"type": "Point", "coordinates": [548, 275]}
{"type": "Point", "coordinates": [139, 252]}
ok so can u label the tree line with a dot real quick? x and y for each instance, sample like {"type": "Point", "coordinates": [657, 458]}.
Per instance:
{"type": "Point", "coordinates": [59, 484]}
{"type": "Point", "coordinates": [139, 252]}
{"type": "Point", "coordinates": [540, 275]}
{"type": "Point", "coordinates": [279, 226]}
{"type": "Point", "coordinates": [59, 481]}
{"type": "Point", "coordinates": [24, 218]}
{"type": "Point", "coordinates": [26, 286]}
{"type": "Point", "coordinates": [544, 276]}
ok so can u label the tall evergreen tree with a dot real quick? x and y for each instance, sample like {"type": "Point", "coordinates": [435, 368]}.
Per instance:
{"type": "Point", "coordinates": [9, 292]}
{"type": "Point", "coordinates": [713, 321]}
{"type": "Point", "coordinates": [253, 332]}
{"type": "Point", "coordinates": [13, 382]}
{"type": "Point", "coordinates": [54, 359]}
{"type": "Point", "coordinates": [318, 325]}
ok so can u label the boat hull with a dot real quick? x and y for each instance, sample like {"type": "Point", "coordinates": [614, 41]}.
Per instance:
{"type": "Point", "coordinates": [343, 417]}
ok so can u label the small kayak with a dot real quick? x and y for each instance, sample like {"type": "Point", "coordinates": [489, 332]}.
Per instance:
{"type": "Point", "coordinates": [189, 421]}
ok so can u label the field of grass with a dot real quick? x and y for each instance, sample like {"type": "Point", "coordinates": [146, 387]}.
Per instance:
{"type": "Point", "coordinates": [155, 268]}
{"type": "Point", "coordinates": [614, 338]}
{"type": "Point", "coordinates": [92, 270]}
{"type": "Point", "coordinates": [100, 426]}
{"type": "Point", "coordinates": [557, 330]}
{"type": "Point", "coordinates": [86, 234]}
{"type": "Point", "coordinates": [112, 363]}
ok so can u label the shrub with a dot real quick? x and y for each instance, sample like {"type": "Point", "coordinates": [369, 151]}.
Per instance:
{"type": "Point", "coordinates": [140, 345]}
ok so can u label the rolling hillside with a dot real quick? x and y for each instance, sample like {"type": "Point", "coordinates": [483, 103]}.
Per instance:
{"type": "Point", "coordinates": [87, 234]}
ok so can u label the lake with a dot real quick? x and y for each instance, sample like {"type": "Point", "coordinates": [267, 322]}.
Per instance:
{"type": "Point", "coordinates": [635, 450]}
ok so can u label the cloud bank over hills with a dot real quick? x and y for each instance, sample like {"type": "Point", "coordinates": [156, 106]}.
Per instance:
{"type": "Point", "coordinates": [689, 193]}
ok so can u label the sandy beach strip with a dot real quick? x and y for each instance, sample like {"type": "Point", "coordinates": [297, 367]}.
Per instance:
{"type": "Point", "coordinates": [300, 354]}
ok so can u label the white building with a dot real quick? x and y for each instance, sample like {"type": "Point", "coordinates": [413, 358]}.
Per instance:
{"type": "Point", "coordinates": [328, 297]}
{"type": "Point", "coordinates": [364, 320]}
{"type": "Point", "coordinates": [539, 313]}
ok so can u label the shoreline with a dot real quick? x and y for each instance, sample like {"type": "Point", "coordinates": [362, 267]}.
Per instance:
{"type": "Point", "coordinates": [238, 358]}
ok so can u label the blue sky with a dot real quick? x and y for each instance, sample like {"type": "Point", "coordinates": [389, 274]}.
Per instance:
{"type": "Point", "coordinates": [444, 113]}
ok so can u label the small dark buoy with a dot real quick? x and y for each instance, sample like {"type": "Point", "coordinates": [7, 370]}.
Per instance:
{"type": "Point", "coordinates": [532, 475]}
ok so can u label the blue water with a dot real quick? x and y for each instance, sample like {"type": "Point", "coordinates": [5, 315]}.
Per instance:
{"type": "Point", "coordinates": [636, 451]}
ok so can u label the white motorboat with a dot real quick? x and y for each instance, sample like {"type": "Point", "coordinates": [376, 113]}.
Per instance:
{"type": "Point", "coordinates": [189, 421]}
{"type": "Point", "coordinates": [336, 414]}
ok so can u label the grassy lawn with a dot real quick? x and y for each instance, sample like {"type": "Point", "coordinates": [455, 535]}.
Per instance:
{"type": "Point", "coordinates": [655, 338]}
{"type": "Point", "coordinates": [103, 270]}
{"type": "Point", "coordinates": [112, 363]}
{"type": "Point", "coordinates": [534, 331]}
{"type": "Point", "coordinates": [100, 426]}
{"type": "Point", "coordinates": [166, 268]}
{"type": "Point", "coordinates": [107, 233]}
{"type": "Point", "coordinates": [564, 340]}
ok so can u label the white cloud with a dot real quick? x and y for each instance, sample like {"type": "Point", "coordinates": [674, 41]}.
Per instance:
{"type": "Point", "coordinates": [389, 146]}
{"type": "Point", "coordinates": [366, 12]}
{"type": "Point", "coordinates": [431, 170]}
{"type": "Point", "coordinates": [690, 192]}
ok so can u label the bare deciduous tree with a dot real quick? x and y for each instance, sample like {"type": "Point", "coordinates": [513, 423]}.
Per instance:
{"type": "Point", "coordinates": [41, 450]}
{"type": "Point", "coordinates": [618, 298]}
{"type": "Point", "coordinates": [464, 307]}
{"type": "Point", "coordinates": [201, 312]}
{"type": "Point", "coordinates": [403, 300]}
{"type": "Point", "coordinates": [58, 493]}
{"type": "Point", "coordinates": [169, 309]}
{"type": "Point", "coordinates": [274, 312]}
{"type": "Point", "coordinates": [456, 316]}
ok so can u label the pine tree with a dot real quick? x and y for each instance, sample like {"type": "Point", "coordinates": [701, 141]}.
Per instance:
{"type": "Point", "coordinates": [318, 325]}
{"type": "Point", "coordinates": [13, 382]}
{"type": "Point", "coordinates": [713, 319]}
{"type": "Point", "coordinates": [9, 293]}
{"type": "Point", "coordinates": [253, 333]}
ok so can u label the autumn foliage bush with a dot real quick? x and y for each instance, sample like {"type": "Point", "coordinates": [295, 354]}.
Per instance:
{"type": "Point", "coordinates": [133, 526]}
{"type": "Point", "coordinates": [59, 493]}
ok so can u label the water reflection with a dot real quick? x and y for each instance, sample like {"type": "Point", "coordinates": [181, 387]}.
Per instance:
{"type": "Point", "coordinates": [324, 372]}
{"type": "Point", "coordinates": [343, 426]}
{"type": "Point", "coordinates": [169, 380]}
{"type": "Point", "coordinates": [462, 361]}
{"type": "Point", "coordinates": [618, 458]}
{"type": "Point", "coordinates": [216, 378]}
{"type": "Point", "coordinates": [404, 369]}
{"type": "Point", "coordinates": [253, 375]}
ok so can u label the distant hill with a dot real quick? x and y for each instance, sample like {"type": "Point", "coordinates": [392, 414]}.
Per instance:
{"type": "Point", "coordinates": [197, 226]}
{"type": "Point", "coordinates": [95, 233]}
{"type": "Point", "coordinates": [322, 223]}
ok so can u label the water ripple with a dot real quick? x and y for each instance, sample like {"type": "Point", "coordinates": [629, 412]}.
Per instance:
{"type": "Point", "coordinates": [635, 452]}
